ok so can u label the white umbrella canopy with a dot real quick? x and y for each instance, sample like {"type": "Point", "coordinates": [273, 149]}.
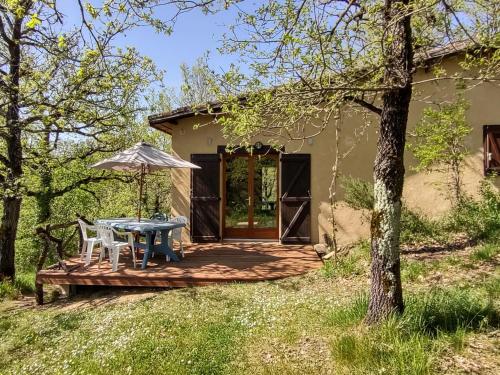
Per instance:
{"type": "Point", "coordinates": [143, 158]}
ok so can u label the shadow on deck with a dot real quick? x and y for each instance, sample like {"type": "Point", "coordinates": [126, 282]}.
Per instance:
{"type": "Point", "coordinates": [204, 264]}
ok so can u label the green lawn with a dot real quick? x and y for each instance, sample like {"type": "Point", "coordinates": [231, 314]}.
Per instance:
{"type": "Point", "coordinates": [303, 325]}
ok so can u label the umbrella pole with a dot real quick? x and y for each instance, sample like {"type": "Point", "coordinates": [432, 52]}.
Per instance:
{"type": "Point", "coordinates": [141, 183]}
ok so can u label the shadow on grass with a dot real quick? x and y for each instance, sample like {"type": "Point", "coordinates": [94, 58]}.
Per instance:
{"type": "Point", "coordinates": [413, 342]}
{"type": "Point", "coordinates": [430, 313]}
{"type": "Point", "coordinates": [448, 311]}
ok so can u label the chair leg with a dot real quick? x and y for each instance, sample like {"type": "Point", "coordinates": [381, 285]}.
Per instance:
{"type": "Point", "coordinates": [83, 250]}
{"type": "Point", "coordinates": [116, 255]}
{"type": "Point", "coordinates": [102, 253]}
{"type": "Point", "coordinates": [88, 255]}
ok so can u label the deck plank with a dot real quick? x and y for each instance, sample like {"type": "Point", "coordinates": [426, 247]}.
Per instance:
{"type": "Point", "coordinates": [204, 264]}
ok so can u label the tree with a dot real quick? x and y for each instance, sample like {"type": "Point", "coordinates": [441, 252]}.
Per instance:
{"type": "Point", "coordinates": [308, 59]}
{"type": "Point", "coordinates": [197, 84]}
{"type": "Point", "coordinates": [439, 142]}
{"type": "Point", "coordinates": [62, 81]}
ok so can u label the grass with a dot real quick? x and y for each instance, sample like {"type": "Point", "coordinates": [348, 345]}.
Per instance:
{"type": "Point", "coordinates": [486, 252]}
{"type": "Point", "coordinates": [354, 263]}
{"type": "Point", "coordinates": [310, 324]}
{"type": "Point", "coordinates": [24, 283]}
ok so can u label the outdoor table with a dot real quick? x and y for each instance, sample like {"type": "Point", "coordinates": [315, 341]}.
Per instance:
{"type": "Point", "coordinates": [147, 227]}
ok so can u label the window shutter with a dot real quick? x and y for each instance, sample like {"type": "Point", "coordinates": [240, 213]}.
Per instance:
{"type": "Point", "coordinates": [205, 198]}
{"type": "Point", "coordinates": [295, 198]}
{"type": "Point", "coordinates": [491, 138]}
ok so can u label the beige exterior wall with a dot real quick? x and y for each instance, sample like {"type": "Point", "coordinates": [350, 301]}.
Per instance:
{"type": "Point", "coordinates": [424, 192]}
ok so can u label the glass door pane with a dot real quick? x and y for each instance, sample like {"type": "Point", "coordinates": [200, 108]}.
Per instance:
{"type": "Point", "coordinates": [265, 192]}
{"type": "Point", "coordinates": [237, 197]}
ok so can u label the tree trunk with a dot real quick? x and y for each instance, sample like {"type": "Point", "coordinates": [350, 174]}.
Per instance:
{"type": "Point", "coordinates": [44, 200]}
{"type": "Point", "coordinates": [386, 295]}
{"type": "Point", "coordinates": [12, 198]}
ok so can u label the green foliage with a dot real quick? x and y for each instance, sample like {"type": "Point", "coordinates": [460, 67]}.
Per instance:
{"type": "Point", "coordinates": [22, 285]}
{"type": "Point", "coordinates": [439, 141]}
{"type": "Point", "coordinates": [306, 324]}
{"type": "Point", "coordinates": [415, 227]}
{"type": "Point", "coordinates": [449, 310]}
{"type": "Point", "coordinates": [486, 252]}
{"type": "Point", "coordinates": [358, 193]}
{"type": "Point", "coordinates": [412, 270]}
{"type": "Point", "coordinates": [346, 316]}
{"type": "Point", "coordinates": [348, 265]}
{"type": "Point", "coordinates": [430, 320]}
{"type": "Point", "coordinates": [440, 135]}
{"type": "Point", "coordinates": [478, 218]}
{"type": "Point", "coordinates": [197, 84]}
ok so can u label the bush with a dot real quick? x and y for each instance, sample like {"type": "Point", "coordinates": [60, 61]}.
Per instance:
{"type": "Point", "coordinates": [479, 219]}
{"type": "Point", "coordinates": [358, 193]}
{"type": "Point", "coordinates": [23, 284]}
{"type": "Point", "coordinates": [414, 226]}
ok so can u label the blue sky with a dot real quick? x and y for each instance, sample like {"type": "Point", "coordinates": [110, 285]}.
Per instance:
{"type": "Point", "coordinates": [194, 34]}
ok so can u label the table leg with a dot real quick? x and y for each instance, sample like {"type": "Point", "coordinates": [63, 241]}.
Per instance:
{"type": "Point", "coordinates": [165, 246]}
{"type": "Point", "coordinates": [149, 249]}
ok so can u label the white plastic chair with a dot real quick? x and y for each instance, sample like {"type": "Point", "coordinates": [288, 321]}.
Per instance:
{"type": "Point", "coordinates": [107, 235]}
{"type": "Point", "coordinates": [88, 242]}
{"type": "Point", "coordinates": [177, 233]}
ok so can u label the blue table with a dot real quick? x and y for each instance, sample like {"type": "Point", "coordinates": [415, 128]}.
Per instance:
{"type": "Point", "coordinates": [149, 228]}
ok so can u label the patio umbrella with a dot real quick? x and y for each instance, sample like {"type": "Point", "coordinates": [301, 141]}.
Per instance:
{"type": "Point", "coordinates": [142, 158]}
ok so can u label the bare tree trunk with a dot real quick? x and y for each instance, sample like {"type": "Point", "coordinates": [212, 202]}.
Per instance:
{"type": "Point", "coordinates": [386, 295]}
{"type": "Point", "coordinates": [41, 261]}
{"type": "Point", "coordinates": [12, 197]}
{"type": "Point", "coordinates": [456, 181]}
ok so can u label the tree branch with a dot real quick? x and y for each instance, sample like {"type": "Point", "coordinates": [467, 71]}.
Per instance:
{"type": "Point", "coordinates": [364, 104]}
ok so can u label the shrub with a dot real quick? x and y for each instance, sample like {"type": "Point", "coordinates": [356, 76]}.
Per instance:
{"type": "Point", "coordinates": [358, 194]}
{"type": "Point", "coordinates": [414, 226]}
{"type": "Point", "coordinates": [23, 284]}
{"type": "Point", "coordinates": [439, 141]}
{"type": "Point", "coordinates": [479, 219]}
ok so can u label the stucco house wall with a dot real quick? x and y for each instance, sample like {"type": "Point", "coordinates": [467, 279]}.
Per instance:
{"type": "Point", "coordinates": [424, 192]}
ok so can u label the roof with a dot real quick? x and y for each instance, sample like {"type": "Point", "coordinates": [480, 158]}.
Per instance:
{"type": "Point", "coordinates": [160, 121]}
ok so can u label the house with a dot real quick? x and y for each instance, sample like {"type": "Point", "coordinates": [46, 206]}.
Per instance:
{"type": "Point", "coordinates": [284, 194]}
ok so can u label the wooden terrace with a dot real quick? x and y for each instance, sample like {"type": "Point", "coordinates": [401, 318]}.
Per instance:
{"type": "Point", "coordinates": [204, 264]}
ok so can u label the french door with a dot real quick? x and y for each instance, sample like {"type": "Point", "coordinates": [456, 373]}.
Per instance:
{"type": "Point", "coordinates": [250, 196]}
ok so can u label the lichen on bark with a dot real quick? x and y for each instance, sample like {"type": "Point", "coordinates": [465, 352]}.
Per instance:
{"type": "Point", "coordinates": [386, 220]}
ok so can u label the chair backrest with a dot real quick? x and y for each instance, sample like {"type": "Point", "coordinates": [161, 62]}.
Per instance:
{"type": "Point", "coordinates": [177, 232]}
{"type": "Point", "coordinates": [83, 228]}
{"type": "Point", "coordinates": [105, 233]}
{"type": "Point", "coordinates": [159, 216]}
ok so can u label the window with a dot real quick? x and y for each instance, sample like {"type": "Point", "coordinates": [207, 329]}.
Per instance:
{"type": "Point", "coordinates": [491, 142]}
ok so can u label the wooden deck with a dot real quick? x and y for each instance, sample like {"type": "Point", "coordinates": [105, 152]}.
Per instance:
{"type": "Point", "coordinates": [204, 264]}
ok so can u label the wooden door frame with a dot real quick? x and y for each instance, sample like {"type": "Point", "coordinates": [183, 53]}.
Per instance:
{"type": "Point", "coordinates": [250, 232]}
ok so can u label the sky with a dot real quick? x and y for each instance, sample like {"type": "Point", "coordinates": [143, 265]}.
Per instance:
{"type": "Point", "coordinates": [194, 34]}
